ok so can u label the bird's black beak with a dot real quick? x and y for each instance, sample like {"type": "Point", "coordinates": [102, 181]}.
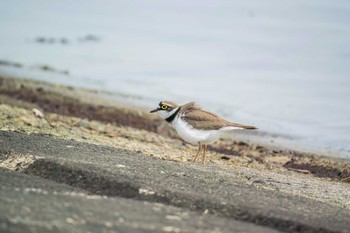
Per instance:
{"type": "Point", "coordinates": [155, 110]}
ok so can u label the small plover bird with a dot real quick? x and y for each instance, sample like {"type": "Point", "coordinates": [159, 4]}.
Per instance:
{"type": "Point", "coordinates": [195, 125]}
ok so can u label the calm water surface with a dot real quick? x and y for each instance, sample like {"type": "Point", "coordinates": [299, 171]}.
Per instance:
{"type": "Point", "coordinates": [282, 66]}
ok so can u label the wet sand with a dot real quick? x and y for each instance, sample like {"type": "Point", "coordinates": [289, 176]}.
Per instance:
{"type": "Point", "coordinates": [96, 146]}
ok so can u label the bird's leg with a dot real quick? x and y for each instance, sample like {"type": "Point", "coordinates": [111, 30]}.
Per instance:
{"type": "Point", "coordinates": [204, 150]}
{"type": "Point", "coordinates": [199, 149]}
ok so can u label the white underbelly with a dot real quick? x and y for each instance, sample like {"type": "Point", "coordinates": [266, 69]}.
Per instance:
{"type": "Point", "coordinates": [194, 136]}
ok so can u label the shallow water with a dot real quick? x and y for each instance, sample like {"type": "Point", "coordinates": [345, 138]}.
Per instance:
{"type": "Point", "coordinates": [282, 66]}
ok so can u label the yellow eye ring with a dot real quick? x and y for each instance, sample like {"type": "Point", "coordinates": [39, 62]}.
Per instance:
{"type": "Point", "coordinates": [164, 107]}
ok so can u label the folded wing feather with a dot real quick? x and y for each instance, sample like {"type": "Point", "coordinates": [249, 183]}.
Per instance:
{"type": "Point", "coordinates": [201, 119]}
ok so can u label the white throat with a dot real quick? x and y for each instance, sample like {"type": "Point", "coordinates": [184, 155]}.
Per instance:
{"type": "Point", "coordinates": [166, 114]}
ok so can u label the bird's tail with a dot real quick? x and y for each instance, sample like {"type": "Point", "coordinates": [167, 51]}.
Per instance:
{"type": "Point", "coordinates": [240, 126]}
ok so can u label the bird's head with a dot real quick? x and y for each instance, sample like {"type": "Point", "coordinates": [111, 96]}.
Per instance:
{"type": "Point", "coordinates": [165, 109]}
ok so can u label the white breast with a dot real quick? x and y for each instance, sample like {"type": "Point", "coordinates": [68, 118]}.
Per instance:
{"type": "Point", "coordinates": [194, 136]}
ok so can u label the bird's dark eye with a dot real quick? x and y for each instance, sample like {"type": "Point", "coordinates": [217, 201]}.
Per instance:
{"type": "Point", "coordinates": [164, 106]}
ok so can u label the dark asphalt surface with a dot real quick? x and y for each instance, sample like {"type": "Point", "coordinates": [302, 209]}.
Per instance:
{"type": "Point", "coordinates": [36, 205]}
{"type": "Point", "coordinates": [145, 191]}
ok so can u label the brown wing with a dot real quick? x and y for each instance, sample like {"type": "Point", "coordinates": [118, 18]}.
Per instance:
{"type": "Point", "coordinates": [201, 119]}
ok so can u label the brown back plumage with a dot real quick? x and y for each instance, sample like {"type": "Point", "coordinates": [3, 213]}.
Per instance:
{"type": "Point", "coordinates": [201, 119]}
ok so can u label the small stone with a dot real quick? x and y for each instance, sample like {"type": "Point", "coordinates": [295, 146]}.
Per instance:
{"type": "Point", "coordinates": [300, 170]}
{"type": "Point", "coordinates": [241, 143]}
{"type": "Point", "coordinates": [108, 224]}
{"type": "Point", "coordinates": [225, 157]}
{"type": "Point", "coordinates": [84, 123]}
{"type": "Point", "coordinates": [70, 220]}
{"type": "Point", "coordinates": [146, 192]}
{"type": "Point", "coordinates": [171, 229]}
{"type": "Point", "coordinates": [259, 182]}
{"type": "Point", "coordinates": [173, 217]}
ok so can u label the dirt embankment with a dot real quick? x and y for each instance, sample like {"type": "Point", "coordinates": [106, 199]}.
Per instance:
{"type": "Point", "coordinates": [57, 101]}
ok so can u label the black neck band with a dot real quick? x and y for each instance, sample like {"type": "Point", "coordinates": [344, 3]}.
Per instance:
{"type": "Point", "coordinates": [172, 117]}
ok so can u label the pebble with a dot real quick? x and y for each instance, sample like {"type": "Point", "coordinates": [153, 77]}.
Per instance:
{"type": "Point", "coordinates": [37, 113]}
{"type": "Point", "coordinates": [84, 123]}
{"type": "Point", "coordinates": [146, 192]}
{"type": "Point", "coordinates": [173, 217]}
{"type": "Point", "coordinates": [171, 229]}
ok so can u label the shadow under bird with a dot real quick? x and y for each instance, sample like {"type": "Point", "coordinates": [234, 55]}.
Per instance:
{"type": "Point", "coordinates": [195, 125]}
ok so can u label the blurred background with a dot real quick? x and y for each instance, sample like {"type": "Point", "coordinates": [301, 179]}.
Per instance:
{"type": "Point", "coordinates": [282, 66]}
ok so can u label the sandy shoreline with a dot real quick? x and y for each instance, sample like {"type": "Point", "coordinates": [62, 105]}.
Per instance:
{"type": "Point", "coordinates": [82, 116]}
{"type": "Point", "coordinates": [87, 110]}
